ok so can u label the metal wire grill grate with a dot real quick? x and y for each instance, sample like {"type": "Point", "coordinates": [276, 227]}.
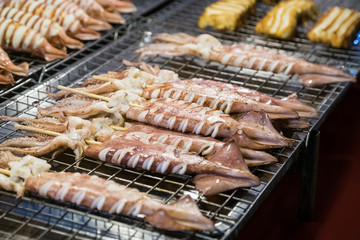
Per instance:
{"type": "Point", "coordinates": [36, 217]}
{"type": "Point", "coordinates": [40, 69]}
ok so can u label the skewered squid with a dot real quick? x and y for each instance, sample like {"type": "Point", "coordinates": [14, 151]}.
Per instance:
{"type": "Point", "coordinates": [21, 168]}
{"type": "Point", "coordinates": [6, 77]}
{"type": "Point", "coordinates": [204, 146]}
{"type": "Point", "coordinates": [49, 29]}
{"type": "Point", "coordinates": [8, 65]}
{"type": "Point", "coordinates": [18, 37]}
{"type": "Point", "coordinates": [68, 21]}
{"type": "Point", "coordinates": [94, 9]}
{"type": "Point", "coordinates": [74, 132]}
{"type": "Point", "coordinates": [85, 19]}
{"type": "Point", "coordinates": [132, 79]}
{"type": "Point", "coordinates": [121, 6]}
{"type": "Point", "coordinates": [214, 174]}
{"type": "Point", "coordinates": [85, 107]}
{"type": "Point", "coordinates": [97, 193]}
{"type": "Point", "coordinates": [290, 101]}
{"type": "Point", "coordinates": [242, 55]}
{"type": "Point", "coordinates": [227, 100]}
{"type": "Point", "coordinates": [190, 117]}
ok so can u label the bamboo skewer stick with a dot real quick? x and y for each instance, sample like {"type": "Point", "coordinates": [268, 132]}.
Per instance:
{"type": "Point", "coordinates": [103, 78]}
{"type": "Point", "coordinates": [91, 95]}
{"type": "Point", "coordinates": [50, 133]}
{"type": "Point", "coordinates": [37, 130]}
{"type": "Point", "coordinates": [117, 128]}
{"type": "Point", "coordinates": [4, 171]}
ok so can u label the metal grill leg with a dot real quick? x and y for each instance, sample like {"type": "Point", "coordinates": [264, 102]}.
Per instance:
{"type": "Point", "coordinates": [308, 176]}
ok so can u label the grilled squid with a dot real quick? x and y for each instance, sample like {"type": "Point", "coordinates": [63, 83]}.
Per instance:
{"type": "Point", "coordinates": [291, 101]}
{"type": "Point", "coordinates": [49, 29]}
{"type": "Point", "coordinates": [85, 19]}
{"type": "Point", "coordinates": [18, 37]}
{"type": "Point", "coordinates": [6, 77]}
{"type": "Point", "coordinates": [21, 168]}
{"type": "Point", "coordinates": [68, 21]}
{"type": "Point", "coordinates": [94, 9]}
{"type": "Point", "coordinates": [7, 65]}
{"type": "Point", "coordinates": [226, 100]}
{"type": "Point", "coordinates": [108, 196]}
{"type": "Point", "coordinates": [73, 135]}
{"type": "Point", "coordinates": [121, 6]}
{"type": "Point", "coordinates": [240, 55]}
{"type": "Point", "coordinates": [190, 117]}
{"type": "Point", "coordinates": [203, 146]}
{"type": "Point", "coordinates": [133, 79]}
{"type": "Point", "coordinates": [137, 151]}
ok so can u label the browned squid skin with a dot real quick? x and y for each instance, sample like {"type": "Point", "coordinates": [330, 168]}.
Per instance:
{"type": "Point", "coordinates": [186, 117]}
{"type": "Point", "coordinates": [36, 146]}
{"type": "Point", "coordinates": [72, 106]}
{"type": "Point", "coordinates": [94, 9]}
{"type": "Point", "coordinates": [6, 77]}
{"type": "Point", "coordinates": [291, 101]}
{"type": "Point", "coordinates": [121, 6]}
{"type": "Point", "coordinates": [67, 20]}
{"type": "Point", "coordinates": [226, 100]}
{"type": "Point", "coordinates": [204, 146]}
{"type": "Point", "coordinates": [254, 121]}
{"type": "Point", "coordinates": [6, 64]}
{"type": "Point", "coordinates": [108, 196]}
{"type": "Point", "coordinates": [240, 55]}
{"type": "Point", "coordinates": [137, 152]}
{"type": "Point", "coordinates": [44, 123]}
{"type": "Point", "coordinates": [6, 157]}
{"type": "Point", "coordinates": [31, 41]}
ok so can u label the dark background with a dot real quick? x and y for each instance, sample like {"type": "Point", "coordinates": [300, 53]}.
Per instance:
{"type": "Point", "coordinates": [337, 207]}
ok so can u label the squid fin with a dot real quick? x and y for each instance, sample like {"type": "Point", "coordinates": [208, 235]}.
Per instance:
{"type": "Point", "coordinates": [230, 156]}
{"type": "Point", "coordinates": [114, 18]}
{"type": "Point", "coordinates": [180, 215]}
{"type": "Point", "coordinates": [6, 77]}
{"type": "Point", "coordinates": [69, 41]}
{"type": "Point", "coordinates": [49, 53]}
{"type": "Point", "coordinates": [262, 119]}
{"type": "Point", "coordinates": [209, 184]}
{"type": "Point", "coordinates": [314, 80]}
{"type": "Point", "coordinates": [96, 24]}
{"type": "Point", "coordinates": [87, 34]}
{"type": "Point", "coordinates": [292, 101]}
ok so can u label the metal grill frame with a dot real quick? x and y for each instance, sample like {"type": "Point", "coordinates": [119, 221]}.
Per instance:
{"type": "Point", "coordinates": [38, 217]}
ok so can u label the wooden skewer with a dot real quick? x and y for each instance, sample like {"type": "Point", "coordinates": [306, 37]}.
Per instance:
{"type": "Point", "coordinates": [50, 133]}
{"type": "Point", "coordinates": [37, 130]}
{"type": "Point", "coordinates": [5, 171]}
{"type": "Point", "coordinates": [102, 78]}
{"type": "Point", "coordinates": [117, 128]}
{"type": "Point", "coordinates": [91, 95]}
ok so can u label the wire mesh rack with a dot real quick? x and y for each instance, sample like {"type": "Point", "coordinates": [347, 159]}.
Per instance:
{"type": "Point", "coordinates": [39, 69]}
{"type": "Point", "coordinates": [36, 217]}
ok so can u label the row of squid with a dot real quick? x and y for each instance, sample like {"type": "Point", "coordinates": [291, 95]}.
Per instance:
{"type": "Point", "coordinates": [32, 174]}
{"type": "Point", "coordinates": [46, 28]}
{"type": "Point", "coordinates": [243, 56]}
{"type": "Point", "coordinates": [147, 118]}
